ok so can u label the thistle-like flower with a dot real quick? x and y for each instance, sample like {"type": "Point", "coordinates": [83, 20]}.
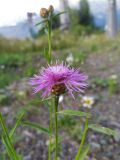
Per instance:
{"type": "Point", "coordinates": [58, 79]}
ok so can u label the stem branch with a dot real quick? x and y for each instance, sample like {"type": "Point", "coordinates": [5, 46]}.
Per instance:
{"type": "Point", "coordinates": [83, 140]}
{"type": "Point", "coordinates": [49, 41]}
{"type": "Point", "coordinates": [56, 127]}
{"type": "Point", "coordinates": [50, 137]}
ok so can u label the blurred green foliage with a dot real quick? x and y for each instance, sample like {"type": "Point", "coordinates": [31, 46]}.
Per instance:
{"type": "Point", "coordinates": [82, 21]}
{"type": "Point", "coordinates": [23, 58]}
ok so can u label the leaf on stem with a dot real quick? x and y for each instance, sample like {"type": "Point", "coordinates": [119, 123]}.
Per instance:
{"type": "Point", "coordinates": [75, 113]}
{"type": "Point", "coordinates": [36, 126]}
{"type": "Point", "coordinates": [102, 129]}
{"type": "Point", "coordinates": [40, 23]}
{"type": "Point", "coordinates": [20, 117]}
{"type": "Point", "coordinates": [8, 147]}
{"type": "Point", "coordinates": [58, 14]}
{"type": "Point", "coordinates": [84, 152]}
{"type": "Point", "coordinates": [7, 141]}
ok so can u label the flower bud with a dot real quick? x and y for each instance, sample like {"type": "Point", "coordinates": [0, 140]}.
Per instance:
{"type": "Point", "coordinates": [51, 9]}
{"type": "Point", "coordinates": [44, 12]}
{"type": "Point", "coordinates": [58, 89]}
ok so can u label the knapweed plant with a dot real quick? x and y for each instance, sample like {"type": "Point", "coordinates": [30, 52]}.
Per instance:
{"type": "Point", "coordinates": [56, 80]}
{"type": "Point", "coordinates": [53, 81]}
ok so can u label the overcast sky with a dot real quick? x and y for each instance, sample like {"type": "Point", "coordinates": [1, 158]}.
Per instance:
{"type": "Point", "coordinates": [13, 11]}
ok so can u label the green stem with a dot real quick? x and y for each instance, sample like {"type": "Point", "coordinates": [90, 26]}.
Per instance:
{"type": "Point", "coordinates": [50, 127]}
{"type": "Point", "coordinates": [56, 127]}
{"type": "Point", "coordinates": [49, 61]}
{"type": "Point", "coordinates": [49, 41]}
{"type": "Point", "coordinates": [83, 140]}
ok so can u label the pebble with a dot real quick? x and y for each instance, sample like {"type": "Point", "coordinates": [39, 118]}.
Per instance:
{"type": "Point", "coordinates": [28, 157]}
{"type": "Point", "coordinates": [117, 136]}
{"type": "Point", "coordinates": [103, 142]}
{"type": "Point", "coordinates": [28, 134]}
{"type": "Point", "coordinates": [5, 110]}
{"type": "Point", "coordinates": [95, 146]}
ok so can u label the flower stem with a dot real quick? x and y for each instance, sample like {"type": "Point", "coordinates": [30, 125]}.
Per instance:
{"type": "Point", "coordinates": [50, 127]}
{"type": "Point", "coordinates": [56, 127]}
{"type": "Point", "coordinates": [49, 60]}
{"type": "Point", "coordinates": [49, 40]}
{"type": "Point", "coordinates": [83, 140]}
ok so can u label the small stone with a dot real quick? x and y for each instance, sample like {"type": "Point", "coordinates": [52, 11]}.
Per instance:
{"type": "Point", "coordinates": [88, 158]}
{"type": "Point", "coordinates": [28, 134]}
{"type": "Point", "coordinates": [117, 136]}
{"type": "Point", "coordinates": [93, 159]}
{"type": "Point", "coordinates": [105, 158]}
{"type": "Point", "coordinates": [95, 146]}
{"type": "Point", "coordinates": [5, 110]}
{"type": "Point", "coordinates": [103, 142]}
{"type": "Point", "coordinates": [28, 157]}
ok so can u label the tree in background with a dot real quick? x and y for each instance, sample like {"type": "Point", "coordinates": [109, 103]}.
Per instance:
{"type": "Point", "coordinates": [64, 18]}
{"type": "Point", "coordinates": [85, 17]}
{"type": "Point", "coordinates": [112, 25]}
{"type": "Point", "coordinates": [81, 19]}
{"type": "Point", "coordinates": [56, 22]}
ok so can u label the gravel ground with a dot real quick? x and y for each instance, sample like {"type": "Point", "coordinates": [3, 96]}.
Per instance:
{"type": "Point", "coordinates": [32, 144]}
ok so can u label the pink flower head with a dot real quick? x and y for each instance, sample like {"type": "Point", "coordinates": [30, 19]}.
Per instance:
{"type": "Point", "coordinates": [58, 79]}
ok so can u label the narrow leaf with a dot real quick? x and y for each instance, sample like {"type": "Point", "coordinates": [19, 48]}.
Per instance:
{"type": "Point", "coordinates": [40, 23]}
{"type": "Point", "coordinates": [36, 126]}
{"type": "Point", "coordinates": [102, 129]}
{"type": "Point", "coordinates": [8, 148]}
{"type": "Point", "coordinates": [7, 140]}
{"type": "Point", "coordinates": [75, 113]}
{"type": "Point", "coordinates": [58, 14]}
{"type": "Point", "coordinates": [82, 140]}
{"type": "Point", "coordinates": [85, 152]}
{"type": "Point", "coordinates": [46, 30]}
{"type": "Point", "coordinates": [20, 117]}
